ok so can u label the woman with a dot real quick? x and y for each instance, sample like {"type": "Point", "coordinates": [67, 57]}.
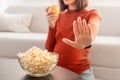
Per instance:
{"type": "Point", "coordinates": [71, 34]}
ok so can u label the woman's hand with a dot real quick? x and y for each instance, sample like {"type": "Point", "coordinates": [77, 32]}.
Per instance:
{"type": "Point", "coordinates": [52, 18]}
{"type": "Point", "coordinates": [83, 34]}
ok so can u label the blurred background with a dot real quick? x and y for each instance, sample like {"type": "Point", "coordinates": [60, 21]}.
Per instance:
{"type": "Point", "coordinates": [109, 9]}
{"type": "Point", "coordinates": [15, 38]}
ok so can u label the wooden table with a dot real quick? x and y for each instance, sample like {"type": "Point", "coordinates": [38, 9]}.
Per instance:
{"type": "Point", "coordinates": [11, 70]}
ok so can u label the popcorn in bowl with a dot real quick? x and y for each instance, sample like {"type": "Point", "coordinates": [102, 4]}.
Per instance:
{"type": "Point", "coordinates": [37, 62]}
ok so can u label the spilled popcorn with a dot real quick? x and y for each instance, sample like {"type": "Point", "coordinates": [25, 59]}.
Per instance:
{"type": "Point", "coordinates": [37, 61]}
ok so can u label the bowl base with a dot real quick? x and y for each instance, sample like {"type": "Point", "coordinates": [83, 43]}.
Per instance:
{"type": "Point", "coordinates": [38, 75]}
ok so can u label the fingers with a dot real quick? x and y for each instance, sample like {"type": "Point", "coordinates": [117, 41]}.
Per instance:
{"type": "Point", "coordinates": [69, 42]}
{"type": "Point", "coordinates": [81, 25]}
{"type": "Point", "coordinates": [73, 44]}
{"type": "Point", "coordinates": [79, 21]}
{"type": "Point", "coordinates": [47, 9]}
{"type": "Point", "coordinates": [49, 12]}
{"type": "Point", "coordinates": [79, 28]}
{"type": "Point", "coordinates": [52, 18]}
{"type": "Point", "coordinates": [75, 29]}
{"type": "Point", "coordinates": [84, 26]}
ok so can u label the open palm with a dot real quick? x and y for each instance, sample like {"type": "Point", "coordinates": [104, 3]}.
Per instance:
{"type": "Point", "coordinates": [83, 34]}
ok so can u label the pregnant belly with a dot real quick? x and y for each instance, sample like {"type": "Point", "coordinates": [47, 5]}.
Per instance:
{"type": "Point", "coordinates": [69, 55]}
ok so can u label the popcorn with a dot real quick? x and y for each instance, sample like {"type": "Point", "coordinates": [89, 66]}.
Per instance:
{"type": "Point", "coordinates": [37, 61]}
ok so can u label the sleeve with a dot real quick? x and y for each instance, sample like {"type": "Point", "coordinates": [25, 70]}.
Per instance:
{"type": "Point", "coordinates": [50, 42]}
{"type": "Point", "coordinates": [94, 20]}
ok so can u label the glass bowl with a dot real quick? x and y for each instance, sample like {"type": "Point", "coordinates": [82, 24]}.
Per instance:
{"type": "Point", "coordinates": [37, 69]}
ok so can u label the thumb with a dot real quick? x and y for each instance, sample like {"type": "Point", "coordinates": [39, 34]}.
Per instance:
{"type": "Point", "coordinates": [69, 42]}
{"type": "Point", "coordinates": [47, 9]}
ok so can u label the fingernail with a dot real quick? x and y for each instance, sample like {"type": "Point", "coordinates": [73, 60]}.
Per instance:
{"type": "Point", "coordinates": [74, 21]}
{"type": "Point", "coordinates": [83, 19]}
{"type": "Point", "coordinates": [63, 39]}
{"type": "Point", "coordinates": [78, 17]}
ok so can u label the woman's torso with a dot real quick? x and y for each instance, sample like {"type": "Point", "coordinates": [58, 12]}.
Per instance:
{"type": "Point", "coordinates": [75, 59]}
